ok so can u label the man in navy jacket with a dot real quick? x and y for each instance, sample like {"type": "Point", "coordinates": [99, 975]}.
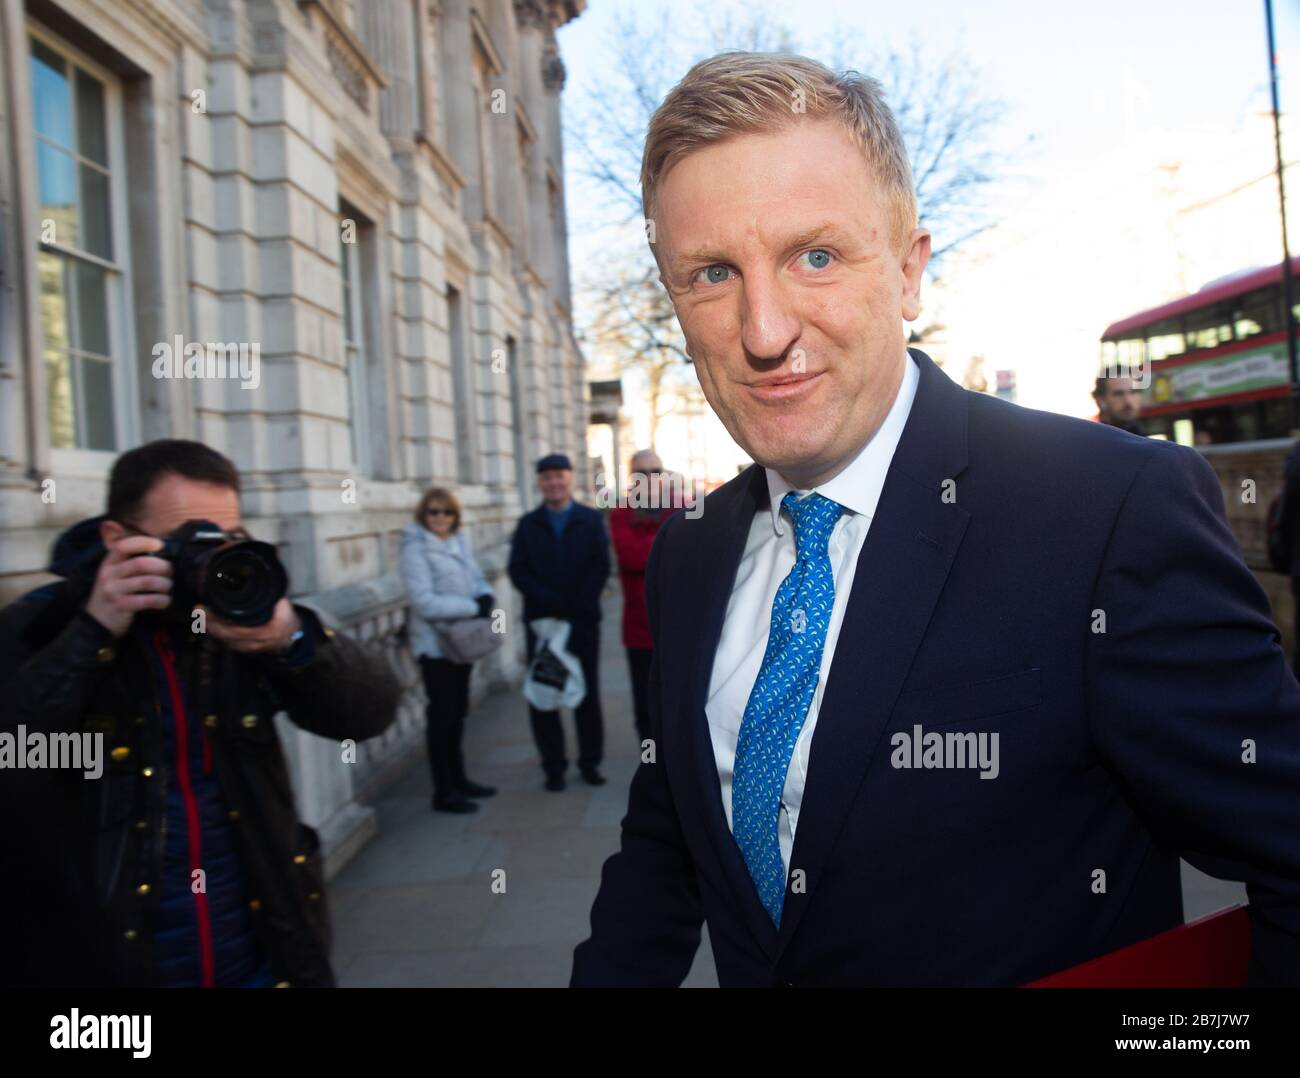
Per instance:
{"type": "Point", "coordinates": [559, 561]}
{"type": "Point", "coordinates": [970, 677]}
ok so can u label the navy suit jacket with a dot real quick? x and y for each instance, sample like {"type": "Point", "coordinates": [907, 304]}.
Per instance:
{"type": "Point", "coordinates": [1005, 540]}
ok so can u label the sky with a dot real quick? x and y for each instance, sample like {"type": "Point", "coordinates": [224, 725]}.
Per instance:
{"type": "Point", "coordinates": [1077, 79]}
{"type": "Point", "coordinates": [1060, 67]}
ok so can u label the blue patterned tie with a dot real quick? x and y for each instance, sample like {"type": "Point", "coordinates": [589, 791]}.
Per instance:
{"type": "Point", "coordinates": [782, 693]}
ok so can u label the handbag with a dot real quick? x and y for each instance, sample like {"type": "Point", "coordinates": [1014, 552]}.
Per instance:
{"type": "Point", "coordinates": [467, 639]}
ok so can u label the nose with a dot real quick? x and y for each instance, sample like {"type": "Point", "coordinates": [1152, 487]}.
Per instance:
{"type": "Point", "coordinates": [769, 324]}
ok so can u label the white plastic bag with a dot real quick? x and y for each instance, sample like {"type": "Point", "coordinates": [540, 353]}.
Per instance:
{"type": "Point", "coordinates": [552, 664]}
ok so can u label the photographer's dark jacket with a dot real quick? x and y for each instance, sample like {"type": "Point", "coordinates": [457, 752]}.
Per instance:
{"type": "Point", "coordinates": [193, 779]}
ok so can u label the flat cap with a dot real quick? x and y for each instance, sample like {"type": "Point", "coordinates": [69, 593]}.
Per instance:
{"type": "Point", "coordinates": [552, 461]}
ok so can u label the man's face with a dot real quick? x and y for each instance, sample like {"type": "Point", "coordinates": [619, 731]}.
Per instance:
{"type": "Point", "coordinates": [650, 466]}
{"type": "Point", "coordinates": [556, 485]}
{"type": "Point", "coordinates": [172, 501]}
{"type": "Point", "coordinates": [777, 253]}
{"type": "Point", "coordinates": [1119, 401]}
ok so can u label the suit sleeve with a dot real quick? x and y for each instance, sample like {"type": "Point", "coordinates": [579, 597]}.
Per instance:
{"type": "Point", "coordinates": [1192, 702]}
{"type": "Point", "coordinates": [645, 922]}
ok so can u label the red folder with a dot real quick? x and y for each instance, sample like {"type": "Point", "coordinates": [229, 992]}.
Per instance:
{"type": "Point", "coordinates": [1212, 952]}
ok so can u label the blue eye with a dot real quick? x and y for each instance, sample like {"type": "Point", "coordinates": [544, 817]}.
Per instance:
{"type": "Point", "coordinates": [818, 258]}
{"type": "Point", "coordinates": [715, 274]}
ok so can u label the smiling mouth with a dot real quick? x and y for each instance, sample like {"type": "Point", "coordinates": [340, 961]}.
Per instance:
{"type": "Point", "coordinates": [785, 387]}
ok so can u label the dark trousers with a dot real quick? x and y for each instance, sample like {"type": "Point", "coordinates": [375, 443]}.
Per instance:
{"type": "Point", "coordinates": [583, 645]}
{"type": "Point", "coordinates": [638, 661]}
{"type": "Point", "coordinates": [447, 686]}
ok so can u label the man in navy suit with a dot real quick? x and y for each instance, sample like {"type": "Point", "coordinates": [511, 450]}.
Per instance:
{"type": "Point", "coordinates": [942, 687]}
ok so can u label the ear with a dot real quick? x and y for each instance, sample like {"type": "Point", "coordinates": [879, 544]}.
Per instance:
{"type": "Point", "coordinates": [918, 254]}
{"type": "Point", "coordinates": [111, 533]}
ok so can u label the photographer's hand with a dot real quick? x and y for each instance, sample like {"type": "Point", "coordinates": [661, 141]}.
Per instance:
{"type": "Point", "coordinates": [272, 638]}
{"type": "Point", "coordinates": [129, 581]}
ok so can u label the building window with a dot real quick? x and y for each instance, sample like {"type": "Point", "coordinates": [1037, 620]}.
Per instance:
{"type": "Point", "coordinates": [354, 236]}
{"type": "Point", "coordinates": [81, 258]}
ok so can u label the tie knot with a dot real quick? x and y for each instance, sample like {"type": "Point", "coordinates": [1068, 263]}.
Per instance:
{"type": "Point", "coordinates": [814, 517]}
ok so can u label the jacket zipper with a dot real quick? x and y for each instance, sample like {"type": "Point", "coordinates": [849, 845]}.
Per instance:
{"type": "Point", "coordinates": [194, 834]}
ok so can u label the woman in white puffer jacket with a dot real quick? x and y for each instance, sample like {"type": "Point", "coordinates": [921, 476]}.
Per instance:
{"type": "Point", "coordinates": [444, 583]}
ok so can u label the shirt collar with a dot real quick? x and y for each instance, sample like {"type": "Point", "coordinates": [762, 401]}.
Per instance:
{"type": "Point", "coordinates": [857, 486]}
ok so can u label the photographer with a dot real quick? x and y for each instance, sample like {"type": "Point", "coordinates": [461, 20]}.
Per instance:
{"type": "Point", "coordinates": [184, 863]}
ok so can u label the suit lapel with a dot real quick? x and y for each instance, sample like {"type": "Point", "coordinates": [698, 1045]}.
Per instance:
{"type": "Point", "coordinates": [901, 571]}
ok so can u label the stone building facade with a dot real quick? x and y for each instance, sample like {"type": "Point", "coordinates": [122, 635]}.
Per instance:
{"type": "Point", "coordinates": [360, 200]}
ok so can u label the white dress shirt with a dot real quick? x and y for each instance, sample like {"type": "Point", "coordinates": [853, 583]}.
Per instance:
{"type": "Point", "coordinates": [768, 558]}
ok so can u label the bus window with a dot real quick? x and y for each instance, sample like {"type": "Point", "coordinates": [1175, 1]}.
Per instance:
{"type": "Point", "coordinates": [1130, 354]}
{"type": "Point", "coordinates": [1211, 337]}
{"type": "Point", "coordinates": [1247, 423]}
{"type": "Point", "coordinates": [1107, 356]}
{"type": "Point", "coordinates": [1257, 312]}
{"type": "Point", "coordinates": [1275, 417]}
{"type": "Point", "coordinates": [1171, 344]}
{"type": "Point", "coordinates": [1247, 327]}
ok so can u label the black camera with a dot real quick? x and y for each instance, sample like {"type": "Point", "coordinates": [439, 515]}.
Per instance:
{"type": "Point", "coordinates": [239, 579]}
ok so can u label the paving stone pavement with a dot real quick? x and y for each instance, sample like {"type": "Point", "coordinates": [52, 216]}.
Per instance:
{"type": "Point", "coordinates": [416, 906]}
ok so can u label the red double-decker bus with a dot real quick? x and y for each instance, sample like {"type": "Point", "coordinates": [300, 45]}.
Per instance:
{"type": "Point", "coordinates": [1214, 363]}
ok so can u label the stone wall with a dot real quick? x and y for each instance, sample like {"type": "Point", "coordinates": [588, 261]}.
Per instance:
{"type": "Point", "coordinates": [260, 153]}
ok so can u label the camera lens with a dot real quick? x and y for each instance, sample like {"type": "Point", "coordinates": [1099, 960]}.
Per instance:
{"type": "Point", "coordinates": [242, 584]}
{"type": "Point", "coordinates": [236, 579]}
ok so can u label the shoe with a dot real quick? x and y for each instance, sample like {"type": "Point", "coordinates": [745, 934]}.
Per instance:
{"type": "Point", "coordinates": [592, 777]}
{"type": "Point", "coordinates": [459, 803]}
{"type": "Point", "coordinates": [473, 789]}
{"type": "Point", "coordinates": [555, 783]}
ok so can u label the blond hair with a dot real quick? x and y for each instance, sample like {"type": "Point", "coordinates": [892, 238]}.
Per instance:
{"type": "Point", "coordinates": [736, 93]}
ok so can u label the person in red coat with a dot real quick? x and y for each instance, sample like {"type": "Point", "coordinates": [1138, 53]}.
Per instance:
{"type": "Point", "coordinates": [633, 527]}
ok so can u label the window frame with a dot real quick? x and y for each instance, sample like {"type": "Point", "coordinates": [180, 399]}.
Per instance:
{"type": "Point", "coordinates": [352, 281]}
{"type": "Point", "coordinates": [119, 303]}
